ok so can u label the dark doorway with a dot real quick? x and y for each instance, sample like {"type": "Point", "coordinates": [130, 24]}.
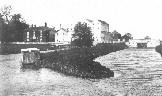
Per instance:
{"type": "Point", "coordinates": [47, 36]}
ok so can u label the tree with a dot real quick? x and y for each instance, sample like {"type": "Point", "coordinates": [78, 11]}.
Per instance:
{"type": "Point", "coordinates": [6, 13]}
{"type": "Point", "coordinates": [16, 27]}
{"type": "Point", "coordinates": [82, 36]}
{"type": "Point", "coordinates": [127, 36]}
{"type": "Point", "coordinates": [3, 29]}
{"type": "Point", "coordinates": [12, 26]}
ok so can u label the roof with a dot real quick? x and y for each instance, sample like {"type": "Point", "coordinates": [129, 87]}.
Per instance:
{"type": "Point", "coordinates": [38, 28]}
{"type": "Point", "coordinates": [102, 22]}
{"type": "Point", "coordinates": [89, 20]}
{"type": "Point", "coordinates": [61, 29]}
{"type": "Point", "coordinates": [115, 32]}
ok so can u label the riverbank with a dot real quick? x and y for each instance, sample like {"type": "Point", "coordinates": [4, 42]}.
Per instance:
{"type": "Point", "coordinates": [159, 49]}
{"type": "Point", "coordinates": [79, 62]}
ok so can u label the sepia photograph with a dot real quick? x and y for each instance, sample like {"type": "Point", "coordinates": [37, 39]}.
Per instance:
{"type": "Point", "coordinates": [80, 47]}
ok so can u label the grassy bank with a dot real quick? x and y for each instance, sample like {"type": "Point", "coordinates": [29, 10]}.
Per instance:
{"type": "Point", "coordinates": [79, 61]}
{"type": "Point", "coordinates": [159, 49]}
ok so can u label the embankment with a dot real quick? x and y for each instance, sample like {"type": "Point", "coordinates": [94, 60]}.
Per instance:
{"type": "Point", "coordinates": [79, 62]}
{"type": "Point", "coordinates": [159, 49]}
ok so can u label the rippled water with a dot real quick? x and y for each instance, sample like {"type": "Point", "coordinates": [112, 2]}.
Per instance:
{"type": "Point", "coordinates": [138, 72]}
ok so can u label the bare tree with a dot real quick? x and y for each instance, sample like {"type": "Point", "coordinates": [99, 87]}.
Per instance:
{"type": "Point", "coordinates": [6, 13]}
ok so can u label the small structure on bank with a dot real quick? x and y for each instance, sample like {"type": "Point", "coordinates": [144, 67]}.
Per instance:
{"type": "Point", "coordinates": [143, 43]}
{"type": "Point", "coordinates": [30, 57]}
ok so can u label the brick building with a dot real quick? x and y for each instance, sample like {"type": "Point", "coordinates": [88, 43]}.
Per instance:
{"type": "Point", "coordinates": [39, 34]}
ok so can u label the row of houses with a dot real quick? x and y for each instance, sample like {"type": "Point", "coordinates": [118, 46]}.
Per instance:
{"type": "Point", "coordinates": [99, 29]}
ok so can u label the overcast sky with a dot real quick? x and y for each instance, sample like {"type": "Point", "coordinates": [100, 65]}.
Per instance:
{"type": "Point", "coordinates": [138, 17]}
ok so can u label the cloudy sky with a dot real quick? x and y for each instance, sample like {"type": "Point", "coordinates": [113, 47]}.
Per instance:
{"type": "Point", "coordinates": [138, 17]}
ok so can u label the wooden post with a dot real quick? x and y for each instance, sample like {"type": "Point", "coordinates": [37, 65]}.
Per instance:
{"type": "Point", "coordinates": [30, 56]}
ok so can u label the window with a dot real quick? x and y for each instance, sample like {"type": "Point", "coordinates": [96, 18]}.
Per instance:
{"type": "Point", "coordinates": [27, 37]}
{"type": "Point", "coordinates": [34, 35]}
{"type": "Point", "coordinates": [41, 33]}
{"type": "Point", "coordinates": [27, 34]}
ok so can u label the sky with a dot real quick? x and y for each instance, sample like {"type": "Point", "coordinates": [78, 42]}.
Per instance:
{"type": "Point", "coordinates": [139, 17]}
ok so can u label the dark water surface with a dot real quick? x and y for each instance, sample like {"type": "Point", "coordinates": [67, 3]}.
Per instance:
{"type": "Point", "coordinates": [138, 72]}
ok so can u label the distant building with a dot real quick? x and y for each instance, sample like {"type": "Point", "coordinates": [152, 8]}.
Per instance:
{"type": "Point", "coordinates": [100, 30]}
{"type": "Point", "coordinates": [145, 42]}
{"type": "Point", "coordinates": [39, 34]}
{"type": "Point", "coordinates": [63, 36]}
{"type": "Point", "coordinates": [116, 36]}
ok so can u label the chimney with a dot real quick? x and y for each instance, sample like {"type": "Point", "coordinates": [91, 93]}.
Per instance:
{"type": "Point", "coordinates": [34, 25]}
{"type": "Point", "coordinates": [60, 26]}
{"type": "Point", "coordinates": [45, 24]}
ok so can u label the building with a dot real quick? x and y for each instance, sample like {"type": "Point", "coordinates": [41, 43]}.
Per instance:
{"type": "Point", "coordinates": [116, 36]}
{"type": "Point", "coordinates": [100, 30]}
{"type": "Point", "coordinates": [63, 36]}
{"type": "Point", "coordinates": [143, 43]}
{"type": "Point", "coordinates": [39, 34]}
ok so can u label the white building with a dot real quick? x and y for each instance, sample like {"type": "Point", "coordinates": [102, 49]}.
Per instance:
{"type": "Point", "coordinates": [63, 36]}
{"type": "Point", "coordinates": [99, 28]}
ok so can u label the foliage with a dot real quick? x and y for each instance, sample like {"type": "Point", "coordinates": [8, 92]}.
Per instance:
{"type": "Point", "coordinates": [12, 25]}
{"type": "Point", "coordinates": [6, 13]}
{"type": "Point", "coordinates": [82, 36]}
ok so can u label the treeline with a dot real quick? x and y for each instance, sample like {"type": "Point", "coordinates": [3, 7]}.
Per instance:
{"type": "Point", "coordinates": [11, 25]}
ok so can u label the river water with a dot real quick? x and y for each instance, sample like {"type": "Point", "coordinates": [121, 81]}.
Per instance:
{"type": "Point", "coordinates": [138, 72]}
